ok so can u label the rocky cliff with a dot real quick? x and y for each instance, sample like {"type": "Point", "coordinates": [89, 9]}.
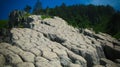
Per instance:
{"type": "Point", "coordinates": [53, 43]}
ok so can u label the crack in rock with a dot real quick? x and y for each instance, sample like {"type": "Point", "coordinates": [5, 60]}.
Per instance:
{"type": "Point", "coordinates": [54, 38]}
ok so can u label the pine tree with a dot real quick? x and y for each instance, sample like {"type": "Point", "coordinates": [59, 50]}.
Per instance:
{"type": "Point", "coordinates": [27, 8]}
{"type": "Point", "coordinates": [37, 8]}
{"type": "Point", "coordinates": [47, 10]}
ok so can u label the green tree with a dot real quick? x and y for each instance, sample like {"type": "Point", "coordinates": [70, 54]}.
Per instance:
{"type": "Point", "coordinates": [47, 10]}
{"type": "Point", "coordinates": [27, 8]}
{"type": "Point", "coordinates": [38, 8]}
{"type": "Point", "coordinates": [113, 26]}
{"type": "Point", "coordinates": [88, 16]}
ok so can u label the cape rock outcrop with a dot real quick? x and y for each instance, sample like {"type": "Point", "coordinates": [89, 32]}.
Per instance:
{"type": "Point", "coordinates": [53, 43]}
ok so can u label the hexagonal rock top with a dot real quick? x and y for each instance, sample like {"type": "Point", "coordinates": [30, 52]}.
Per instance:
{"type": "Point", "coordinates": [53, 43]}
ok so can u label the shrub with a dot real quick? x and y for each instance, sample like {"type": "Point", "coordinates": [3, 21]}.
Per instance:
{"type": "Point", "coordinates": [45, 16]}
{"type": "Point", "coordinates": [3, 23]}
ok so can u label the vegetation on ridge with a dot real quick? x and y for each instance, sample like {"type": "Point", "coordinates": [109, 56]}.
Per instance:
{"type": "Point", "coordinates": [100, 18]}
{"type": "Point", "coordinates": [3, 23]}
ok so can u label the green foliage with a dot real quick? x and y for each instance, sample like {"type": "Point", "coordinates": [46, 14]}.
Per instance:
{"type": "Point", "coordinates": [18, 18]}
{"type": "Point", "coordinates": [113, 26]}
{"type": "Point", "coordinates": [38, 8]}
{"type": "Point", "coordinates": [82, 15]}
{"type": "Point", "coordinates": [26, 15]}
{"type": "Point", "coordinates": [100, 18]}
{"type": "Point", "coordinates": [86, 16]}
{"type": "Point", "coordinates": [100, 27]}
{"type": "Point", "coordinates": [45, 16]}
{"type": "Point", "coordinates": [27, 8]}
{"type": "Point", "coordinates": [117, 35]}
{"type": "Point", "coordinates": [3, 23]}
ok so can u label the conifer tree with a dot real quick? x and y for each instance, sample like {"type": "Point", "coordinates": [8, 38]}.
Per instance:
{"type": "Point", "coordinates": [37, 8]}
{"type": "Point", "coordinates": [27, 8]}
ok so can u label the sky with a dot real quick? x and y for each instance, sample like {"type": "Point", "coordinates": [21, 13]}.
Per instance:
{"type": "Point", "coordinates": [6, 6]}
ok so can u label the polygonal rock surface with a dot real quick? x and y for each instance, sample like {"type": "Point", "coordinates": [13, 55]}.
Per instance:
{"type": "Point", "coordinates": [53, 43]}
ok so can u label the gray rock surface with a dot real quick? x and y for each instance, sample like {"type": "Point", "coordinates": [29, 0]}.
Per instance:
{"type": "Point", "coordinates": [2, 60]}
{"type": "Point", "coordinates": [53, 43]}
{"type": "Point", "coordinates": [25, 64]}
{"type": "Point", "coordinates": [107, 63]}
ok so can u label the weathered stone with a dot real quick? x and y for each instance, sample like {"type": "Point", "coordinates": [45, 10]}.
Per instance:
{"type": "Point", "coordinates": [40, 59]}
{"type": "Point", "coordinates": [60, 52]}
{"type": "Point", "coordinates": [25, 64]}
{"type": "Point", "coordinates": [65, 61]}
{"type": "Point", "coordinates": [49, 55]}
{"type": "Point", "coordinates": [5, 51]}
{"type": "Point", "coordinates": [55, 63]}
{"type": "Point", "coordinates": [77, 59]}
{"type": "Point", "coordinates": [13, 59]}
{"type": "Point", "coordinates": [74, 65]}
{"type": "Point", "coordinates": [4, 45]}
{"type": "Point", "coordinates": [43, 64]}
{"type": "Point", "coordinates": [111, 52]}
{"type": "Point", "coordinates": [27, 56]}
{"type": "Point", "coordinates": [107, 63]}
{"type": "Point", "coordinates": [111, 65]}
{"type": "Point", "coordinates": [15, 49]}
{"type": "Point", "coordinates": [2, 60]}
{"type": "Point", "coordinates": [53, 43]}
{"type": "Point", "coordinates": [36, 51]}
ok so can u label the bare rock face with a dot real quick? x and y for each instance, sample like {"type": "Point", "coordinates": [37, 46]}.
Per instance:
{"type": "Point", "coordinates": [2, 60]}
{"type": "Point", "coordinates": [53, 43]}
